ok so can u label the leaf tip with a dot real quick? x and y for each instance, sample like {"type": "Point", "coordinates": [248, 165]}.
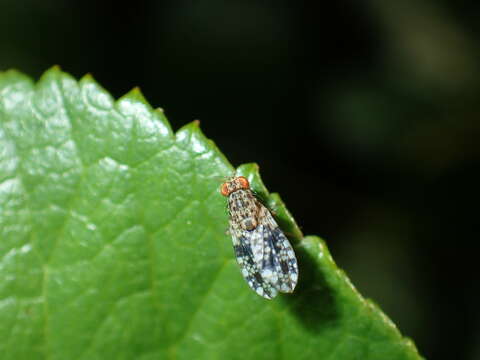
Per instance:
{"type": "Point", "coordinates": [188, 130]}
{"type": "Point", "coordinates": [53, 73]}
{"type": "Point", "coordinates": [56, 68]}
{"type": "Point", "coordinates": [135, 94]}
{"type": "Point", "coordinates": [190, 135]}
{"type": "Point", "coordinates": [88, 77]}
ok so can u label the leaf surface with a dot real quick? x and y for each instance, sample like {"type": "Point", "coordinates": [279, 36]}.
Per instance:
{"type": "Point", "coordinates": [113, 243]}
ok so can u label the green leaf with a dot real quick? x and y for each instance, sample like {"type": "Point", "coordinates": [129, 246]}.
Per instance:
{"type": "Point", "coordinates": [113, 243]}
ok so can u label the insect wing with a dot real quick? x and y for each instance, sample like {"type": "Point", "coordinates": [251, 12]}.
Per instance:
{"type": "Point", "coordinates": [265, 256]}
{"type": "Point", "coordinates": [278, 255]}
{"type": "Point", "coordinates": [249, 267]}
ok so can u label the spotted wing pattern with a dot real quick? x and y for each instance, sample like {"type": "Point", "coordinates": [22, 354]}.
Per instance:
{"type": "Point", "coordinates": [279, 262]}
{"type": "Point", "coordinates": [251, 271]}
{"type": "Point", "coordinates": [264, 254]}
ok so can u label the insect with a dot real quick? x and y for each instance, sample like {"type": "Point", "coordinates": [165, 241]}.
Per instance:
{"type": "Point", "coordinates": [263, 252]}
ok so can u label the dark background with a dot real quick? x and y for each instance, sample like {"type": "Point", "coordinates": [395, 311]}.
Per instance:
{"type": "Point", "coordinates": [363, 115]}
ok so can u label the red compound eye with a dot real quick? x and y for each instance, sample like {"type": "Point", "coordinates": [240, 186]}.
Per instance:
{"type": "Point", "coordinates": [224, 190]}
{"type": "Point", "coordinates": [243, 182]}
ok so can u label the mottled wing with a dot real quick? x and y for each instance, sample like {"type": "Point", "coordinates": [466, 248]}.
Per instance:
{"type": "Point", "coordinates": [243, 244]}
{"type": "Point", "coordinates": [279, 266]}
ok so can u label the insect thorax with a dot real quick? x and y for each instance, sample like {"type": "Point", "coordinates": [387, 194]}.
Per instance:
{"type": "Point", "coordinates": [243, 209]}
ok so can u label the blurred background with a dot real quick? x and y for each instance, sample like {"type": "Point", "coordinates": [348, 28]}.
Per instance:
{"type": "Point", "coordinates": [364, 116]}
